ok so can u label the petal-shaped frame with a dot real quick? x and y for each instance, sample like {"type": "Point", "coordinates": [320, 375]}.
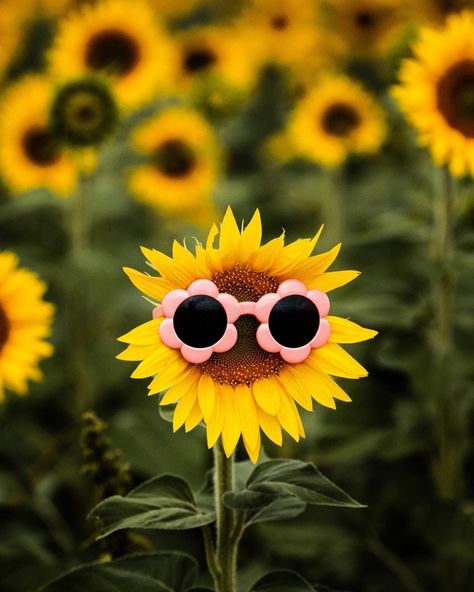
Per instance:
{"type": "Point", "coordinates": [264, 306]}
{"type": "Point", "coordinates": [168, 308]}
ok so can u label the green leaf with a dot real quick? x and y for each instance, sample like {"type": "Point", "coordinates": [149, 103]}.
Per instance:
{"type": "Point", "coordinates": [279, 509]}
{"type": "Point", "coordinates": [165, 503]}
{"type": "Point", "coordinates": [167, 571]}
{"type": "Point", "coordinates": [282, 581]}
{"type": "Point", "coordinates": [280, 479]}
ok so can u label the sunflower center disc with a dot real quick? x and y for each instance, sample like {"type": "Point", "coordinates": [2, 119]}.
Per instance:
{"type": "Point", "coordinates": [4, 328]}
{"type": "Point", "coordinates": [112, 50]}
{"type": "Point", "coordinates": [279, 22]}
{"type": "Point", "coordinates": [199, 59]}
{"type": "Point", "coordinates": [340, 120]}
{"type": "Point", "coordinates": [174, 158]}
{"type": "Point", "coordinates": [246, 362]}
{"type": "Point", "coordinates": [365, 19]}
{"type": "Point", "coordinates": [40, 146]}
{"type": "Point", "coordinates": [455, 97]}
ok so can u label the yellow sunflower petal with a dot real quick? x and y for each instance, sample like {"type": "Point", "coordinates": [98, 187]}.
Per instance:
{"type": "Point", "coordinates": [135, 353]}
{"type": "Point", "coordinates": [214, 425]}
{"type": "Point", "coordinates": [245, 407]}
{"type": "Point", "coordinates": [194, 417]}
{"type": "Point", "coordinates": [154, 287]}
{"type": "Point", "coordinates": [266, 395]}
{"type": "Point", "coordinates": [231, 425]}
{"type": "Point", "coordinates": [270, 426]}
{"type": "Point", "coordinates": [333, 360]}
{"type": "Point", "coordinates": [183, 408]}
{"type": "Point", "coordinates": [145, 334]}
{"type": "Point", "coordinates": [332, 280]}
{"type": "Point", "coordinates": [206, 396]}
{"type": "Point", "coordinates": [345, 331]}
{"type": "Point", "coordinates": [287, 417]}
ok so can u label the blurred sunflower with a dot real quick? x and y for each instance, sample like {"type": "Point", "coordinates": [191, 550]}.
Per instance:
{"type": "Point", "coordinates": [184, 161]}
{"type": "Point", "coordinates": [436, 92]}
{"type": "Point", "coordinates": [25, 322]}
{"type": "Point", "coordinates": [280, 32]}
{"type": "Point", "coordinates": [367, 26]}
{"type": "Point", "coordinates": [212, 56]}
{"type": "Point", "coordinates": [30, 155]}
{"type": "Point", "coordinates": [246, 388]}
{"type": "Point", "coordinates": [335, 118]}
{"type": "Point", "coordinates": [122, 40]}
{"type": "Point", "coordinates": [83, 113]}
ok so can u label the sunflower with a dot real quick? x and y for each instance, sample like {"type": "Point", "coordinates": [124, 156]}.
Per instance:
{"type": "Point", "coordinates": [120, 39]}
{"type": "Point", "coordinates": [242, 335]}
{"type": "Point", "coordinates": [83, 113]}
{"type": "Point", "coordinates": [183, 161]}
{"type": "Point", "coordinates": [436, 92]}
{"type": "Point", "coordinates": [209, 54]}
{"type": "Point", "coordinates": [367, 26]}
{"type": "Point", "coordinates": [25, 322]}
{"type": "Point", "coordinates": [30, 156]}
{"type": "Point", "coordinates": [281, 32]}
{"type": "Point", "coordinates": [335, 118]}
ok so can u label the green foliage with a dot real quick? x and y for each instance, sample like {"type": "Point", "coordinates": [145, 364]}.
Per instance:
{"type": "Point", "coordinates": [148, 572]}
{"type": "Point", "coordinates": [165, 502]}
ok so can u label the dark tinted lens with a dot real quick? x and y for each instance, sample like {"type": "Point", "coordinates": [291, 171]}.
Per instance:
{"type": "Point", "coordinates": [294, 321]}
{"type": "Point", "coordinates": [200, 321]}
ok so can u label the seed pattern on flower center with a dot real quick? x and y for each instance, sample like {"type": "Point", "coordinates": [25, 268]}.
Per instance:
{"type": "Point", "coordinates": [455, 97]}
{"type": "Point", "coordinates": [112, 50]}
{"type": "Point", "coordinates": [40, 146]}
{"type": "Point", "coordinates": [340, 120]}
{"type": "Point", "coordinates": [4, 327]}
{"type": "Point", "coordinates": [246, 362]}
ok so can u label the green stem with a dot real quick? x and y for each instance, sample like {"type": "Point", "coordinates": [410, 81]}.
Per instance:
{"type": "Point", "coordinates": [448, 462]}
{"type": "Point", "coordinates": [229, 524]}
{"type": "Point", "coordinates": [79, 342]}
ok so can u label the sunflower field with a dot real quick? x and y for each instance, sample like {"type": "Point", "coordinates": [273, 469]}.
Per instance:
{"type": "Point", "coordinates": [237, 296]}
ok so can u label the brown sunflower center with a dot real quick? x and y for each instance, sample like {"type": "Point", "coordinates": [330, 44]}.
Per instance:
{"type": "Point", "coordinates": [340, 120]}
{"type": "Point", "coordinates": [246, 362]}
{"type": "Point", "coordinates": [198, 59]}
{"type": "Point", "coordinates": [40, 146]}
{"type": "Point", "coordinates": [4, 327]}
{"type": "Point", "coordinates": [174, 159]}
{"type": "Point", "coordinates": [365, 19]}
{"type": "Point", "coordinates": [455, 97]}
{"type": "Point", "coordinates": [279, 22]}
{"type": "Point", "coordinates": [112, 50]}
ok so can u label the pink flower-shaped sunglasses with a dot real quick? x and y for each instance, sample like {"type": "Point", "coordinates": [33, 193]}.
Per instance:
{"type": "Point", "coordinates": [200, 321]}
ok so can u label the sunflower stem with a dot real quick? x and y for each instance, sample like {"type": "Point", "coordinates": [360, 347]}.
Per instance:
{"type": "Point", "coordinates": [79, 239]}
{"type": "Point", "coordinates": [448, 461]}
{"type": "Point", "coordinates": [227, 536]}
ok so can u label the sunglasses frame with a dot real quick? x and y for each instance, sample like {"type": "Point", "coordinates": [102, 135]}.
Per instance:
{"type": "Point", "coordinates": [235, 309]}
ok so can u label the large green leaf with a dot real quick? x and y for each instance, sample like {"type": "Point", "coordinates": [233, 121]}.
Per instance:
{"type": "Point", "coordinates": [165, 502]}
{"type": "Point", "coordinates": [282, 581]}
{"type": "Point", "coordinates": [281, 478]}
{"type": "Point", "coordinates": [167, 571]}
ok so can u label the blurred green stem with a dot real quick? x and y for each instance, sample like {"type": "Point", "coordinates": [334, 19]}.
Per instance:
{"type": "Point", "coordinates": [229, 524]}
{"type": "Point", "coordinates": [78, 340]}
{"type": "Point", "coordinates": [334, 207]}
{"type": "Point", "coordinates": [448, 462]}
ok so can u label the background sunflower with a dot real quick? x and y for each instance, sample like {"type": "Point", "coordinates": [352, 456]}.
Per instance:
{"type": "Point", "coordinates": [403, 447]}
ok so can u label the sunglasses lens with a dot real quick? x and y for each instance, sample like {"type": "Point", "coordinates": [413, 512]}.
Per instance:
{"type": "Point", "coordinates": [200, 321]}
{"type": "Point", "coordinates": [294, 321]}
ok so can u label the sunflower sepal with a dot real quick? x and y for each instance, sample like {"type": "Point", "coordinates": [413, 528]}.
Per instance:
{"type": "Point", "coordinates": [287, 479]}
{"type": "Point", "coordinates": [165, 502]}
